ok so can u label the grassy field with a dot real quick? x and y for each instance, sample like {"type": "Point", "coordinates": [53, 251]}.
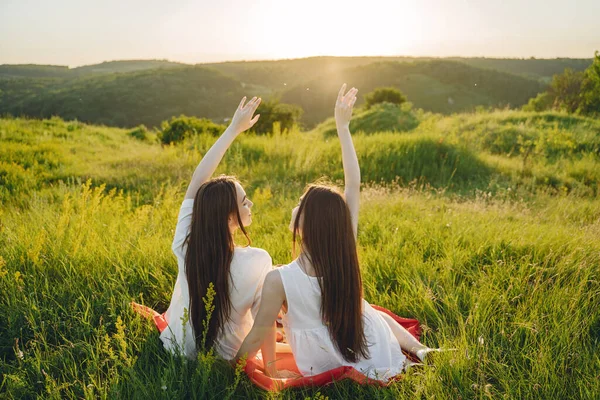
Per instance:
{"type": "Point", "coordinates": [484, 226]}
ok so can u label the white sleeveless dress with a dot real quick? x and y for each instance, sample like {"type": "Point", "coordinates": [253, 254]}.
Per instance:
{"type": "Point", "coordinates": [309, 338]}
{"type": "Point", "coordinates": [249, 267]}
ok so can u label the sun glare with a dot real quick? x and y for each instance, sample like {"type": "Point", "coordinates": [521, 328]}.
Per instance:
{"type": "Point", "coordinates": [352, 28]}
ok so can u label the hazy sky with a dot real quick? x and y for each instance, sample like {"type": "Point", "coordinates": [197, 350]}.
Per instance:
{"type": "Point", "coordinates": [77, 32]}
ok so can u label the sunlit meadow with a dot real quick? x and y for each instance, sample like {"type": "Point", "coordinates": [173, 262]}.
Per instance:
{"type": "Point", "coordinates": [484, 226]}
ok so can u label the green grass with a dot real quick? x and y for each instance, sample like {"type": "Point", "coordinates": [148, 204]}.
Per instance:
{"type": "Point", "coordinates": [496, 253]}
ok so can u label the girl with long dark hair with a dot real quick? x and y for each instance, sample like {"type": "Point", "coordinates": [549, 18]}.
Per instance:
{"type": "Point", "coordinates": [327, 322]}
{"type": "Point", "coordinates": [212, 211]}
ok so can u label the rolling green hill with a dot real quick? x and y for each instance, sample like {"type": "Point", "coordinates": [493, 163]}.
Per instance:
{"type": "Point", "coordinates": [293, 71]}
{"type": "Point", "coordinates": [274, 74]}
{"type": "Point", "coordinates": [128, 93]}
{"type": "Point", "coordinates": [542, 69]}
{"type": "Point", "coordinates": [280, 75]}
{"type": "Point", "coordinates": [60, 71]}
{"type": "Point", "coordinates": [129, 99]}
{"type": "Point", "coordinates": [34, 71]}
{"type": "Point", "coordinates": [383, 117]}
{"type": "Point", "coordinates": [437, 86]}
{"type": "Point", "coordinates": [110, 67]}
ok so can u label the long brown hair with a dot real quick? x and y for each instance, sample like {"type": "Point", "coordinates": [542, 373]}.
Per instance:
{"type": "Point", "coordinates": [209, 253]}
{"type": "Point", "coordinates": [328, 241]}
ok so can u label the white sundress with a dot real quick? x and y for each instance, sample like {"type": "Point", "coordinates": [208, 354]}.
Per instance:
{"type": "Point", "coordinates": [249, 268]}
{"type": "Point", "coordinates": [309, 338]}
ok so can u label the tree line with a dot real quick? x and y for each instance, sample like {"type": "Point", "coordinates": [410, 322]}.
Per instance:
{"type": "Point", "coordinates": [572, 91]}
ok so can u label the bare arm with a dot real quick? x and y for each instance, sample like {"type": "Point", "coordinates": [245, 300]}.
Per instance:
{"type": "Point", "coordinates": [343, 114]}
{"type": "Point", "coordinates": [268, 347]}
{"type": "Point", "coordinates": [263, 330]}
{"type": "Point", "coordinates": [242, 120]}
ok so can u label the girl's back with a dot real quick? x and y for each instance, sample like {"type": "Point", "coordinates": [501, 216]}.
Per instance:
{"type": "Point", "coordinates": [311, 344]}
{"type": "Point", "coordinates": [354, 334]}
{"type": "Point", "coordinates": [249, 267]}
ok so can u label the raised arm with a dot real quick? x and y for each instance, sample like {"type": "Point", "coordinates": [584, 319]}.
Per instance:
{"type": "Point", "coordinates": [343, 114]}
{"type": "Point", "coordinates": [242, 120]}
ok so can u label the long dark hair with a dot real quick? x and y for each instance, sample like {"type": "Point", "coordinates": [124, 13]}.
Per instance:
{"type": "Point", "coordinates": [328, 242]}
{"type": "Point", "coordinates": [209, 253]}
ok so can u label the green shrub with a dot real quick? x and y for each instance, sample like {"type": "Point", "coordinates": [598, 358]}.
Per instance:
{"type": "Point", "coordinates": [542, 102]}
{"type": "Point", "coordinates": [15, 179]}
{"type": "Point", "coordinates": [565, 89]}
{"type": "Point", "coordinates": [384, 95]}
{"type": "Point", "coordinates": [178, 128]}
{"type": "Point", "coordinates": [590, 89]}
{"type": "Point", "coordinates": [140, 133]}
{"type": "Point", "coordinates": [571, 91]}
{"type": "Point", "coordinates": [384, 117]}
{"type": "Point", "coordinates": [272, 112]}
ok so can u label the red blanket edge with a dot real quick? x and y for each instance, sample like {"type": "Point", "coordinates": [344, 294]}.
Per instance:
{"type": "Point", "coordinates": [254, 367]}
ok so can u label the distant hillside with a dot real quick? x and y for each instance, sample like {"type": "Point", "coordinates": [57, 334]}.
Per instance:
{"type": "Point", "coordinates": [126, 93]}
{"type": "Point", "coordinates": [61, 71]}
{"type": "Point", "coordinates": [109, 67]}
{"type": "Point", "coordinates": [34, 71]}
{"type": "Point", "coordinates": [274, 74]}
{"type": "Point", "coordinates": [438, 86]}
{"type": "Point", "coordinates": [542, 69]}
{"type": "Point", "coordinates": [146, 97]}
{"type": "Point", "coordinates": [280, 75]}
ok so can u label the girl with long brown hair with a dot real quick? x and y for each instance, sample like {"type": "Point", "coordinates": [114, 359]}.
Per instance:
{"type": "Point", "coordinates": [213, 209]}
{"type": "Point", "coordinates": [327, 322]}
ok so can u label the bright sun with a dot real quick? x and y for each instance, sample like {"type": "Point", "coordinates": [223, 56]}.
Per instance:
{"type": "Point", "coordinates": [351, 28]}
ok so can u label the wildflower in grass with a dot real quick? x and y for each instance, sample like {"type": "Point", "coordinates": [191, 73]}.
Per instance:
{"type": "Point", "coordinates": [3, 270]}
{"type": "Point", "coordinates": [206, 359]}
{"type": "Point", "coordinates": [107, 349]}
{"type": "Point", "coordinates": [185, 318]}
{"type": "Point", "coordinates": [317, 396]}
{"type": "Point", "coordinates": [239, 369]}
{"type": "Point", "coordinates": [119, 337]}
{"type": "Point", "coordinates": [19, 280]}
{"type": "Point", "coordinates": [209, 307]}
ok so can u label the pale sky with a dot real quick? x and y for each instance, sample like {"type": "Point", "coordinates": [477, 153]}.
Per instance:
{"type": "Point", "coordinates": [80, 32]}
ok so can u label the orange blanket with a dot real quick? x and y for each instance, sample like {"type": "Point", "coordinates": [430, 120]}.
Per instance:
{"type": "Point", "coordinates": [285, 361]}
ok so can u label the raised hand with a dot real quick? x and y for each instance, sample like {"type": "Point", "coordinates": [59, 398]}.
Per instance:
{"type": "Point", "coordinates": [343, 107]}
{"type": "Point", "coordinates": [343, 114]}
{"type": "Point", "coordinates": [242, 119]}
